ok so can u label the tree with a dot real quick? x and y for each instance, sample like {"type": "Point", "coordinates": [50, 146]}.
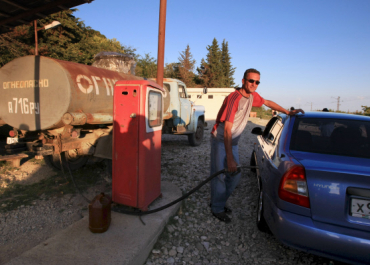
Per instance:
{"type": "Point", "coordinates": [202, 77]}
{"type": "Point", "coordinates": [186, 67]}
{"type": "Point", "coordinates": [171, 70]}
{"type": "Point", "coordinates": [211, 70]}
{"type": "Point", "coordinates": [366, 110]}
{"type": "Point", "coordinates": [146, 66]}
{"type": "Point", "coordinates": [15, 44]}
{"type": "Point", "coordinates": [72, 41]}
{"type": "Point", "coordinates": [228, 70]}
{"type": "Point", "coordinates": [214, 65]}
{"type": "Point", "coordinates": [216, 70]}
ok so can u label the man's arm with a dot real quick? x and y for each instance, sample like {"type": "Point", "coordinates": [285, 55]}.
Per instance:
{"type": "Point", "coordinates": [277, 107]}
{"type": "Point", "coordinates": [231, 164]}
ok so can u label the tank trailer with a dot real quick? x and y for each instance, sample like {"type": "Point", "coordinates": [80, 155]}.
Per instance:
{"type": "Point", "coordinates": [64, 110]}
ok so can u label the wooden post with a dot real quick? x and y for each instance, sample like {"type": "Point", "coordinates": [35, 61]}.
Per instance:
{"type": "Point", "coordinates": [161, 41]}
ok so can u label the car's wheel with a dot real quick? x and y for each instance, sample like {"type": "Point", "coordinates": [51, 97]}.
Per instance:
{"type": "Point", "coordinates": [260, 220]}
{"type": "Point", "coordinates": [253, 162]}
{"type": "Point", "coordinates": [196, 138]}
{"type": "Point", "coordinates": [71, 157]}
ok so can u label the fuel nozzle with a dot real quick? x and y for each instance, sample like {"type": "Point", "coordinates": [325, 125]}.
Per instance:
{"type": "Point", "coordinates": [238, 170]}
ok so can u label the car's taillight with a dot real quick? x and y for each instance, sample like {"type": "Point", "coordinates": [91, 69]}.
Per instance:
{"type": "Point", "coordinates": [293, 187]}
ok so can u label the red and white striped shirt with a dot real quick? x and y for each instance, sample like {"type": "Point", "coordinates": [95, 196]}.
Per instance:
{"type": "Point", "coordinates": [235, 109]}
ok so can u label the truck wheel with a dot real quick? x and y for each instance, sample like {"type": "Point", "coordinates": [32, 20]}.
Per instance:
{"type": "Point", "coordinates": [74, 161]}
{"type": "Point", "coordinates": [196, 138]}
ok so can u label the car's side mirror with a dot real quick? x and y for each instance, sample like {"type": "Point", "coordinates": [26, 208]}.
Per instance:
{"type": "Point", "coordinates": [205, 90]}
{"type": "Point", "coordinates": [257, 131]}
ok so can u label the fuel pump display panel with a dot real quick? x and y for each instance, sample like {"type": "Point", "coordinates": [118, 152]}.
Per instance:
{"type": "Point", "coordinates": [155, 109]}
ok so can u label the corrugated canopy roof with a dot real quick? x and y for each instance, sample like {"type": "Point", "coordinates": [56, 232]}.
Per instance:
{"type": "Point", "coordinates": [17, 12]}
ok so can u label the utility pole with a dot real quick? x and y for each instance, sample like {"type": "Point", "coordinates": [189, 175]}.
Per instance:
{"type": "Point", "coordinates": [309, 103]}
{"type": "Point", "coordinates": [161, 41]}
{"type": "Point", "coordinates": [338, 103]}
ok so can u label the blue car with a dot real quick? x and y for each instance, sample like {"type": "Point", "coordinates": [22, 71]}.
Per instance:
{"type": "Point", "coordinates": [314, 183]}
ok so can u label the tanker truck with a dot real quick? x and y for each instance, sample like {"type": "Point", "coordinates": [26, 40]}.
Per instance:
{"type": "Point", "coordinates": [64, 111]}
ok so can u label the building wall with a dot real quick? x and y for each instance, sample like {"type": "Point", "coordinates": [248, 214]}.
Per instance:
{"type": "Point", "coordinates": [212, 101]}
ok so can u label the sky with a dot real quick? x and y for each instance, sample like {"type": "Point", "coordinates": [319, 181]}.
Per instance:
{"type": "Point", "coordinates": [312, 54]}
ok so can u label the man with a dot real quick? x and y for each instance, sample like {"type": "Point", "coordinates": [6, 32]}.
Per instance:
{"type": "Point", "coordinates": [230, 123]}
{"type": "Point", "coordinates": [327, 127]}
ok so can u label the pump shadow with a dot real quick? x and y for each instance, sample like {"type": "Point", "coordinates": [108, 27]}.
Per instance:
{"type": "Point", "coordinates": [136, 162]}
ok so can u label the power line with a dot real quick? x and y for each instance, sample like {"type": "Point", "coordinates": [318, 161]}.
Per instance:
{"type": "Point", "coordinates": [338, 101]}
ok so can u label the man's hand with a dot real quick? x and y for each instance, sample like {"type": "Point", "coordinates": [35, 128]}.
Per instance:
{"type": "Point", "coordinates": [296, 111]}
{"type": "Point", "coordinates": [231, 165]}
{"type": "Point", "coordinates": [277, 107]}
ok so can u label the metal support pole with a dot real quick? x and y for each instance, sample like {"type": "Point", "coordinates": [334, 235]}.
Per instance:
{"type": "Point", "coordinates": [161, 41]}
{"type": "Point", "coordinates": [36, 42]}
{"type": "Point", "coordinates": [338, 104]}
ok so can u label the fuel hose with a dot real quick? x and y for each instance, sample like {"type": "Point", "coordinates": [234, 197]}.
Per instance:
{"type": "Point", "coordinates": [140, 213]}
{"type": "Point", "coordinates": [116, 209]}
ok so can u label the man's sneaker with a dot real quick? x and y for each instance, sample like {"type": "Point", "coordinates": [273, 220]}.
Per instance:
{"type": "Point", "coordinates": [226, 209]}
{"type": "Point", "coordinates": [222, 217]}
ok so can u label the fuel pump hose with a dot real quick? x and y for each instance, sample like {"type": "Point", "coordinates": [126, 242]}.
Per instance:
{"type": "Point", "coordinates": [116, 209]}
{"type": "Point", "coordinates": [137, 213]}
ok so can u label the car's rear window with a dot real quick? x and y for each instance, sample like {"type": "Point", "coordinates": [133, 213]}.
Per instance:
{"type": "Point", "coordinates": [332, 136]}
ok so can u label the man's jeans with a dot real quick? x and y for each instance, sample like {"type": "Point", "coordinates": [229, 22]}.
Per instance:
{"type": "Point", "coordinates": [223, 185]}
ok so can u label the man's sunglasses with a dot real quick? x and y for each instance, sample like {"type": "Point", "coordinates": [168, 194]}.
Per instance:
{"type": "Point", "coordinates": [252, 81]}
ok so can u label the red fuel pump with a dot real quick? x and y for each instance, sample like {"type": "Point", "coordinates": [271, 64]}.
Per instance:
{"type": "Point", "coordinates": [137, 131]}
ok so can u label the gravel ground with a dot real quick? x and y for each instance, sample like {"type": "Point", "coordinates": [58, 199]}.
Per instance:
{"type": "Point", "coordinates": [27, 226]}
{"type": "Point", "coordinates": [193, 236]}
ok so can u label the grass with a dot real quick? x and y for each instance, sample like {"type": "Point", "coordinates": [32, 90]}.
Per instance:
{"type": "Point", "coordinates": [15, 195]}
{"type": "Point", "coordinates": [38, 161]}
{"type": "Point", "coordinates": [5, 167]}
{"type": "Point", "coordinates": [265, 117]}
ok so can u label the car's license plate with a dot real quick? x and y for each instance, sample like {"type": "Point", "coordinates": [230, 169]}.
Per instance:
{"type": "Point", "coordinates": [11, 140]}
{"type": "Point", "coordinates": [360, 208]}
